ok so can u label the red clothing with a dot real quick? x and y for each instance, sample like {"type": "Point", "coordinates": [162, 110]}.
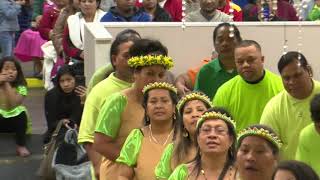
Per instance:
{"type": "Point", "coordinates": [237, 12]}
{"type": "Point", "coordinates": [47, 22]}
{"type": "Point", "coordinates": [173, 7]}
{"type": "Point", "coordinates": [69, 49]}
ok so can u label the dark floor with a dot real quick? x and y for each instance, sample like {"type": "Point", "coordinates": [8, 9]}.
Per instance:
{"type": "Point", "coordinates": [11, 166]}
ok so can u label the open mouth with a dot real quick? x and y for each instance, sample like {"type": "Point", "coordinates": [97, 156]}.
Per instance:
{"type": "Point", "coordinates": [251, 168]}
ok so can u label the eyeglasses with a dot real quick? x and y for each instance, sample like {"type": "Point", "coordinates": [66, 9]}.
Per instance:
{"type": "Point", "coordinates": [206, 130]}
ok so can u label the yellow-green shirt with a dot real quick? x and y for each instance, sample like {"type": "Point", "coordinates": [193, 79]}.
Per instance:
{"type": "Point", "coordinates": [93, 104]}
{"type": "Point", "coordinates": [309, 147]}
{"type": "Point", "coordinates": [287, 116]}
{"type": "Point", "coordinates": [99, 75]}
{"type": "Point", "coordinates": [246, 101]}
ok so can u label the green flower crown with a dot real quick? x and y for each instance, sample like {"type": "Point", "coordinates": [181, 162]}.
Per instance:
{"type": "Point", "coordinates": [139, 61]}
{"type": "Point", "coordinates": [216, 115]}
{"type": "Point", "coordinates": [159, 85]}
{"type": "Point", "coordinates": [254, 131]}
{"type": "Point", "coordinates": [193, 96]}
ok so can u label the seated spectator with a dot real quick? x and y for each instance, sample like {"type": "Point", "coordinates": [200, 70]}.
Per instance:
{"type": "Point", "coordinates": [64, 102]}
{"type": "Point", "coordinates": [13, 90]}
{"type": "Point", "coordinates": [157, 13]}
{"type": "Point", "coordinates": [74, 31]}
{"type": "Point", "coordinates": [289, 112]}
{"type": "Point", "coordinates": [309, 144]}
{"type": "Point", "coordinates": [314, 14]}
{"type": "Point", "coordinates": [230, 8]}
{"type": "Point", "coordinates": [294, 170]}
{"type": "Point", "coordinates": [9, 11]}
{"type": "Point", "coordinates": [307, 7]}
{"type": "Point", "coordinates": [283, 12]}
{"type": "Point", "coordinates": [57, 31]}
{"type": "Point", "coordinates": [49, 18]}
{"type": "Point", "coordinates": [208, 13]}
{"type": "Point", "coordinates": [173, 7]}
{"type": "Point", "coordinates": [125, 11]}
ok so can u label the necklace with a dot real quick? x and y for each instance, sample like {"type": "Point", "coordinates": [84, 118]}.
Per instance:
{"type": "Point", "coordinates": [230, 173]}
{"type": "Point", "coordinates": [155, 140]}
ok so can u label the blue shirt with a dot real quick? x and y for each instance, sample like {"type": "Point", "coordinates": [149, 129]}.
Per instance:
{"type": "Point", "coordinates": [9, 11]}
{"type": "Point", "coordinates": [114, 16]}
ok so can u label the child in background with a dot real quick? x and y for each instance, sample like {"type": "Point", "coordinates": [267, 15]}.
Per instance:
{"type": "Point", "coordinates": [64, 102]}
{"type": "Point", "coordinates": [9, 10]}
{"type": "Point", "coordinates": [314, 14]}
{"type": "Point", "coordinates": [13, 90]}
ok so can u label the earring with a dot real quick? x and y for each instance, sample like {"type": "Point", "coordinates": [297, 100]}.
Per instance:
{"type": "Point", "coordinates": [185, 133]}
{"type": "Point", "coordinates": [174, 116]}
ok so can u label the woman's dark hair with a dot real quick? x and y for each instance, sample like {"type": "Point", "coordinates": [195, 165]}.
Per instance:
{"type": "Point", "coordinates": [274, 148]}
{"type": "Point", "coordinates": [183, 143]}
{"type": "Point", "coordinates": [20, 80]}
{"type": "Point", "coordinates": [236, 31]}
{"type": "Point", "coordinates": [174, 99]}
{"type": "Point", "coordinates": [122, 37]}
{"type": "Point", "coordinates": [292, 56]}
{"type": "Point", "coordinates": [145, 47]}
{"type": "Point", "coordinates": [231, 157]}
{"type": "Point", "coordinates": [315, 108]}
{"type": "Point", "coordinates": [65, 69]}
{"type": "Point", "coordinates": [300, 170]}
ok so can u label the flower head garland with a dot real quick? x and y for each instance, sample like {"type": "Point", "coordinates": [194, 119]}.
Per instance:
{"type": "Point", "coordinates": [159, 85]}
{"type": "Point", "coordinates": [261, 132]}
{"type": "Point", "coordinates": [193, 96]}
{"type": "Point", "coordinates": [148, 60]}
{"type": "Point", "coordinates": [216, 115]}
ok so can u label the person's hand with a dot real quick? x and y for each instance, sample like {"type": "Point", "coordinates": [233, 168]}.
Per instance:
{"type": "Point", "coordinates": [81, 91]}
{"type": "Point", "coordinates": [182, 89]}
{"type": "Point", "coordinates": [20, 2]}
{"type": "Point", "coordinates": [38, 19]}
{"type": "Point", "coordinates": [82, 55]}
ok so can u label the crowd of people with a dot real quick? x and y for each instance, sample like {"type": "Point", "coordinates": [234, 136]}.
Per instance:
{"type": "Point", "coordinates": [229, 118]}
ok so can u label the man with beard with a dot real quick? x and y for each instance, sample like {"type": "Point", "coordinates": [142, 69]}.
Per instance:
{"type": "Point", "coordinates": [125, 11]}
{"type": "Point", "coordinates": [208, 13]}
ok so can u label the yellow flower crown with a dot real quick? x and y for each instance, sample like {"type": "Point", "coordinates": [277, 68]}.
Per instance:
{"type": "Point", "coordinates": [216, 115]}
{"type": "Point", "coordinates": [139, 61]}
{"type": "Point", "coordinates": [159, 85]}
{"type": "Point", "coordinates": [254, 131]}
{"type": "Point", "coordinates": [193, 96]}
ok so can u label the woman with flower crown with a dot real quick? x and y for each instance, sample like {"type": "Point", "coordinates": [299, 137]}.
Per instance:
{"type": "Point", "coordinates": [258, 153]}
{"type": "Point", "coordinates": [143, 148]}
{"type": "Point", "coordinates": [123, 111]}
{"type": "Point", "coordinates": [215, 138]}
{"type": "Point", "coordinates": [183, 149]}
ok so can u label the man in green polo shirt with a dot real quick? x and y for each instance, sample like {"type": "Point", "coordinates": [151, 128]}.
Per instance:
{"type": "Point", "coordinates": [120, 79]}
{"type": "Point", "coordinates": [212, 75]}
{"type": "Point", "coordinates": [289, 112]}
{"type": "Point", "coordinates": [246, 95]}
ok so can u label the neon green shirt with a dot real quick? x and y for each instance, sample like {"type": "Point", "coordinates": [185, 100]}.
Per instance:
{"type": "Point", "coordinates": [99, 75]}
{"type": "Point", "coordinates": [99, 94]}
{"type": "Point", "coordinates": [180, 173]}
{"type": "Point", "coordinates": [309, 147]}
{"type": "Point", "coordinates": [163, 169]}
{"type": "Point", "coordinates": [211, 76]}
{"type": "Point", "coordinates": [246, 101]}
{"type": "Point", "coordinates": [287, 116]}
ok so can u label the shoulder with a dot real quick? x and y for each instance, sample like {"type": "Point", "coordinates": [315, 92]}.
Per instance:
{"type": "Point", "coordinates": [306, 133]}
